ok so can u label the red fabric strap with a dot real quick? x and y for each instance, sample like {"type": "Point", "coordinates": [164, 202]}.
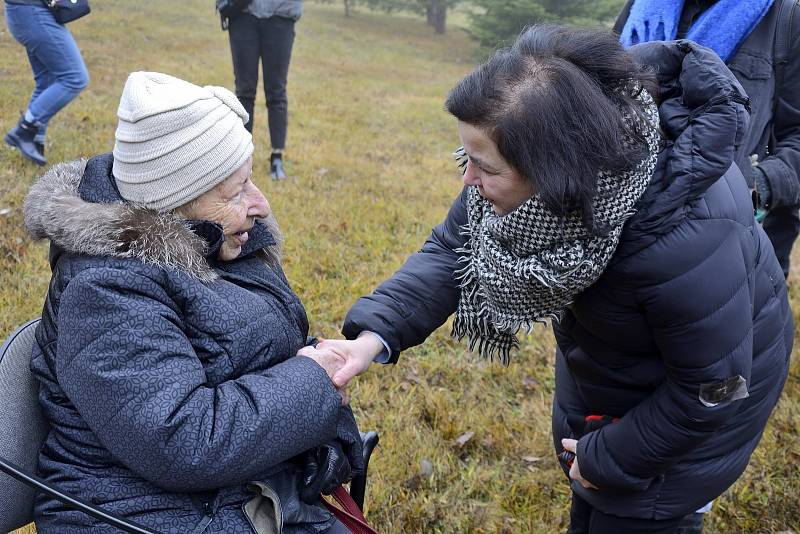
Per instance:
{"type": "Point", "coordinates": [348, 512]}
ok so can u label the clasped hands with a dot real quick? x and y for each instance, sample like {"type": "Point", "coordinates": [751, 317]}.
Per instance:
{"type": "Point", "coordinates": [343, 360]}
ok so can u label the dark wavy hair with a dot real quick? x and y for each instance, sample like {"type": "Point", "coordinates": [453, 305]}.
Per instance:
{"type": "Point", "coordinates": [553, 104]}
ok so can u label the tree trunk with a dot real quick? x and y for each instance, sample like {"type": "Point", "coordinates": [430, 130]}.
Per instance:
{"type": "Point", "coordinates": [429, 12]}
{"type": "Point", "coordinates": [440, 17]}
{"type": "Point", "coordinates": [346, 8]}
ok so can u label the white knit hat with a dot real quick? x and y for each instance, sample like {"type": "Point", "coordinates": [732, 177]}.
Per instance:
{"type": "Point", "coordinates": [176, 140]}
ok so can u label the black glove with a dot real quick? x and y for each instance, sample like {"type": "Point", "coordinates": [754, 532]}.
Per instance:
{"type": "Point", "coordinates": [326, 468]}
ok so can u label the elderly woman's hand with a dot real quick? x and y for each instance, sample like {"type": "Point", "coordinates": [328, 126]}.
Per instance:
{"type": "Point", "coordinates": [330, 360]}
{"type": "Point", "coordinates": [575, 471]}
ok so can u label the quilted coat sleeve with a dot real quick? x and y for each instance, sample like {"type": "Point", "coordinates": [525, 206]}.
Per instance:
{"type": "Point", "coordinates": [698, 302]}
{"type": "Point", "coordinates": [782, 167]}
{"type": "Point", "coordinates": [405, 309]}
{"type": "Point", "coordinates": [127, 367]}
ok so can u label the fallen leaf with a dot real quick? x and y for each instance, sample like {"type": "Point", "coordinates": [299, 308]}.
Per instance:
{"type": "Point", "coordinates": [5, 211]}
{"type": "Point", "coordinates": [464, 438]}
{"type": "Point", "coordinates": [531, 459]}
{"type": "Point", "coordinates": [425, 468]}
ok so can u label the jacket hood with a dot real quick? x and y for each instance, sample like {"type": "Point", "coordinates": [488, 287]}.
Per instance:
{"type": "Point", "coordinates": [77, 207]}
{"type": "Point", "coordinates": [704, 115]}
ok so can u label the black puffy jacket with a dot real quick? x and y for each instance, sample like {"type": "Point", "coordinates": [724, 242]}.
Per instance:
{"type": "Point", "coordinates": [693, 296]}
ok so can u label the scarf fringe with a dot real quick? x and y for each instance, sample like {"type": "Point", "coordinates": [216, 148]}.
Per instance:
{"type": "Point", "coordinates": [489, 346]}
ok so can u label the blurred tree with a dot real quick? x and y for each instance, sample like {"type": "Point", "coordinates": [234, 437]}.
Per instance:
{"type": "Point", "coordinates": [497, 22]}
{"type": "Point", "coordinates": [435, 11]}
{"type": "Point", "coordinates": [349, 5]}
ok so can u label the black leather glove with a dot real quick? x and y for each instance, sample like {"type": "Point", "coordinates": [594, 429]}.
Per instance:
{"type": "Point", "coordinates": [326, 468]}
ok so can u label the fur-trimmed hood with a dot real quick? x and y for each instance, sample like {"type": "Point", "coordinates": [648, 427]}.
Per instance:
{"type": "Point", "coordinates": [75, 205]}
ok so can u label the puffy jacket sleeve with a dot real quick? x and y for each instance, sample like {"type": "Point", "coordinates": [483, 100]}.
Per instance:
{"type": "Point", "coordinates": [128, 368]}
{"type": "Point", "coordinates": [782, 166]}
{"type": "Point", "coordinates": [405, 309]}
{"type": "Point", "coordinates": [698, 303]}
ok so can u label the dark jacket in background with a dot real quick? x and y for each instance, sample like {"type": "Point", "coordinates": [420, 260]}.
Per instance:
{"type": "Point", "coordinates": [693, 295]}
{"type": "Point", "coordinates": [169, 379]}
{"type": "Point", "coordinates": [753, 66]}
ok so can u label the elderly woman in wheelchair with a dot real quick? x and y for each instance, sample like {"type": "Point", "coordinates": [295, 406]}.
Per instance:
{"type": "Point", "coordinates": [167, 355]}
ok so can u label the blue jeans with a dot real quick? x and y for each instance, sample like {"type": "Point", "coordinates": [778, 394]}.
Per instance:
{"type": "Point", "coordinates": [58, 68]}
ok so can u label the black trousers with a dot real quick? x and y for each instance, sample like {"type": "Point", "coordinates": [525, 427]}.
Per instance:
{"type": "Point", "coordinates": [269, 40]}
{"type": "Point", "coordinates": [782, 225]}
{"type": "Point", "coordinates": [587, 520]}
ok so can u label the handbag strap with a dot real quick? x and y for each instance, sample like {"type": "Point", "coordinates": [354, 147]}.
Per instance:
{"type": "Point", "coordinates": [348, 512]}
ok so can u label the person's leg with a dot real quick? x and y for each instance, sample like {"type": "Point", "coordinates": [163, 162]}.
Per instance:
{"type": "Point", "coordinates": [23, 27]}
{"type": "Point", "coordinates": [58, 53]}
{"type": "Point", "coordinates": [277, 38]}
{"type": "Point", "coordinates": [584, 519]}
{"type": "Point", "coordinates": [245, 47]}
{"type": "Point", "coordinates": [782, 225]}
{"type": "Point", "coordinates": [580, 513]}
{"type": "Point", "coordinates": [43, 79]}
{"type": "Point", "coordinates": [691, 524]}
{"type": "Point", "coordinates": [601, 523]}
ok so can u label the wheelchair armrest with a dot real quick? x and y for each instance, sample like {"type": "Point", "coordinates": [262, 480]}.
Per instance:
{"type": "Point", "coordinates": [358, 486]}
{"type": "Point", "coordinates": [37, 483]}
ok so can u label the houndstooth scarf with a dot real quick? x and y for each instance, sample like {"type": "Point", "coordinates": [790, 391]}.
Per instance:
{"type": "Point", "coordinates": [528, 266]}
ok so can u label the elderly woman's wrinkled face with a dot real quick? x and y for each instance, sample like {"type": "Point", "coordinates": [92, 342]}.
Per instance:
{"type": "Point", "coordinates": [234, 204]}
{"type": "Point", "coordinates": [497, 181]}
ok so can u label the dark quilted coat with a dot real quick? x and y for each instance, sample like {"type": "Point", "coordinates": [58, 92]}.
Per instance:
{"type": "Point", "coordinates": [169, 379]}
{"type": "Point", "coordinates": [693, 295]}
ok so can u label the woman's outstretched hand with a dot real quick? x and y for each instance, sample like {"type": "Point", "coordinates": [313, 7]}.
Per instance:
{"type": "Point", "coordinates": [357, 354]}
{"type": "Point", "coordinates": [575, 471]}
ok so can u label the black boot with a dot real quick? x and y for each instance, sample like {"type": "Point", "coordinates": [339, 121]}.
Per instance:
{"type": "Point", "coordinates": [21, 137]}
{"type": "Point", "coordinates": [276, 166]}
{"type": "Point", "coordinates": [39, 146]}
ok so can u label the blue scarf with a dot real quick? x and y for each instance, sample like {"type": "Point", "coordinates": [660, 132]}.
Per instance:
{"type": "Point", "coordinates": [721, 28]}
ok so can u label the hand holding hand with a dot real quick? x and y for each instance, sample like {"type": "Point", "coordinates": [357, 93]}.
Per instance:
{"type": "Point", "coordinates": [575, 471]}
{"type": "Point", "coordinates": [358, 355]}
{"type": "Point", "coordinates": [328, 359]}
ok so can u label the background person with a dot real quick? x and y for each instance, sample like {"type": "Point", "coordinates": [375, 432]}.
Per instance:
{"type": "Point", "coordinates": [674, 324]}
{"type": "Point", "coordinates": [743, 33]}
{"type": "Point", "coordinates": [166, 354]}
{"type": "Point", "coordinates": [265, 31]}
{"type": "Point", "coordinates": [58, 70]}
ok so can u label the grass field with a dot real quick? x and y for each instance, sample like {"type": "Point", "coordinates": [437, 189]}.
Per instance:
{"type": "Point", "coordinates": [369, 156]}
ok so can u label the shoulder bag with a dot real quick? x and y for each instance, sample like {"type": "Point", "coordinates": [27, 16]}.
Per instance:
{"type": "Point", "coordinates": [65, 11]}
